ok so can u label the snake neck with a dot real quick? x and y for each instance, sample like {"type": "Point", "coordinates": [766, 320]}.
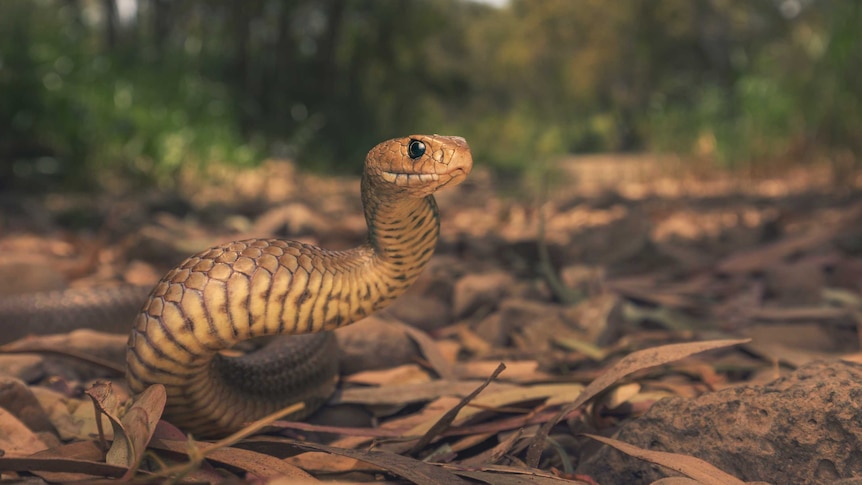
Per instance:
{"type": "Point", "coordinates": [401, 231]}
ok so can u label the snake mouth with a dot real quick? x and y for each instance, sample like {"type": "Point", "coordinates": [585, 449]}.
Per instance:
{"type": "Point", "coordinates": [412, 178]}
{"type": "Point", "coordinates": [406, 179]}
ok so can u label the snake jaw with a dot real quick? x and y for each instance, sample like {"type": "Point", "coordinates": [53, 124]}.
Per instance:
{"type": "Point", "coordinates": [393, 170]}
{"type": "Point", "coordinates": [407, 179]}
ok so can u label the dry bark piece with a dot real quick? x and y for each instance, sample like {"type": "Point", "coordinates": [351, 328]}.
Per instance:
{"type": "Point", "coordinates": [803, 428]}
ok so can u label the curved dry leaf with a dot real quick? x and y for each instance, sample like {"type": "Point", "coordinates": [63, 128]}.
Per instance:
{"type": "Point", "coordinates": [642, 359]}
{"type": "Point", "coordinates": [689, 466]}
{"type": "Point", "coordinates": [258, 464]}
{"type": "Point", "coordinates": [134, 430]}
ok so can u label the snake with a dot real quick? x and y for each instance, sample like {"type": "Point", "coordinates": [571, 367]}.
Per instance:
{"type": "Point", "coordinates": [242, 290]}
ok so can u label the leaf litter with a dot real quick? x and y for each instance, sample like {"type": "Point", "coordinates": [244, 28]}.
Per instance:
{"type": "Point", "coordinates": [583, 348]}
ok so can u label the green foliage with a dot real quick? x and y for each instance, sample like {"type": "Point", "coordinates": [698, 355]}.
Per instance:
{"type": "Point", "coordinates": [79, 112]}
{"type": "Point", "coordinates": [87, 91]}
{"type": "Point", "coordinates": [792, 92]}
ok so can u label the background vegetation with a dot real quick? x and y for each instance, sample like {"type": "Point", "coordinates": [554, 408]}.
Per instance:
{"type": "Point", "coordinates": [139, 87]}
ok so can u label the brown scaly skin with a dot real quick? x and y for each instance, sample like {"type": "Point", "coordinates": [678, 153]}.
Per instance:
{"type": "Point", "coordinates": [261, 287]}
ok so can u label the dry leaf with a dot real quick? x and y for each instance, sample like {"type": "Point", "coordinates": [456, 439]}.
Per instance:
{"type": "Point", "coordinates": [257, 464]}
{"type": "Point", "coordinates": [67, 465]}
{"type": "Point", "coordinates": [446, 419]}
{"type": "Point", "coordinates": [408, 393]}
{"type": "Point", "coordinates": [416, 471]}
{"type": "Point", "coordinates": [16, 439]}
{"type": "Point", "coordinates": [321, 462]}
{"type": "Point", "coordinates": [134, 430]}
{"type": "Point", "coordinates": [510, 475]}
{"type": "Point", "coordinates": [553, 393]}
{"type": "Point", "coordinates": [494, 454]}
{"type": "Point", "coordinates": [79, 450]}
{"type": "Point", "coordinates": [429, 349]}
{"type": "Point", "coordinates": [806, 314]}
{"type": "Point", "coordinates": [402, 374]}
{"type": "Point", "coordinates": [72, 418]}
{"type": "Point", "coordinates": [594, 352]}
{"type": "Point", "coordinates": [689, 466]}
{"type": "Point", "coordinates": [523, 371]}
{"type": "Point", "coordinates": [765, 256]}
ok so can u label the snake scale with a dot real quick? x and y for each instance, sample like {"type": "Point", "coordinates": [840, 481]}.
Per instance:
{"type": "Point", "coordinates": [265, 287]}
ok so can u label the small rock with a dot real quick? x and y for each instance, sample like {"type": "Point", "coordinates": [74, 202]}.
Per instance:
{"type": "Point", "coordinates": [373, 344]}
{"type": "Point", "coordinates": [423, 312]}
{"type": "Point", "coordinates": [803, 428]}
{"type": "Point", "coordinates": [474, 291]}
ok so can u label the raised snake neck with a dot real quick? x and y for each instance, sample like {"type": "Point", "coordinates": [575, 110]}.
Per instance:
{"type": "Point", "coordinates": [263, 287]}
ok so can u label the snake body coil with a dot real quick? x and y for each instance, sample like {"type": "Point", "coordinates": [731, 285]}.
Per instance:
{"type": "Point", "coordinates": [264, 287]}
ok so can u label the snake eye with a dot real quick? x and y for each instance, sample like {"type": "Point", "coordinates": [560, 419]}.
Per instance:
{"type": "Point", "coordinates": [415, 149]}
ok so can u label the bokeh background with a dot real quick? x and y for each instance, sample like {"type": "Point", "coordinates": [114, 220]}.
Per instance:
{"type": "Point", "coordinates": [98, 89]}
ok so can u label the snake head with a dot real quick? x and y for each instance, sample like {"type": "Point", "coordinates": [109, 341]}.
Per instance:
{"type": "Point", "coordinates": [417, 165]}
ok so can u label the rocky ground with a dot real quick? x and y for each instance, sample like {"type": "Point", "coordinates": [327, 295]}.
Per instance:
{"type": "Point", "coordinates": [616, 285]}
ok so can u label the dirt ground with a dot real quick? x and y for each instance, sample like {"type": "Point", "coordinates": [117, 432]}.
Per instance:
{"type": "Point", "coordinates": [619, 282]}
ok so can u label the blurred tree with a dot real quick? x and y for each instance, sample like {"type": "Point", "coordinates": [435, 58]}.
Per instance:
{"type": "Point", "coordinates": [144, 89]}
